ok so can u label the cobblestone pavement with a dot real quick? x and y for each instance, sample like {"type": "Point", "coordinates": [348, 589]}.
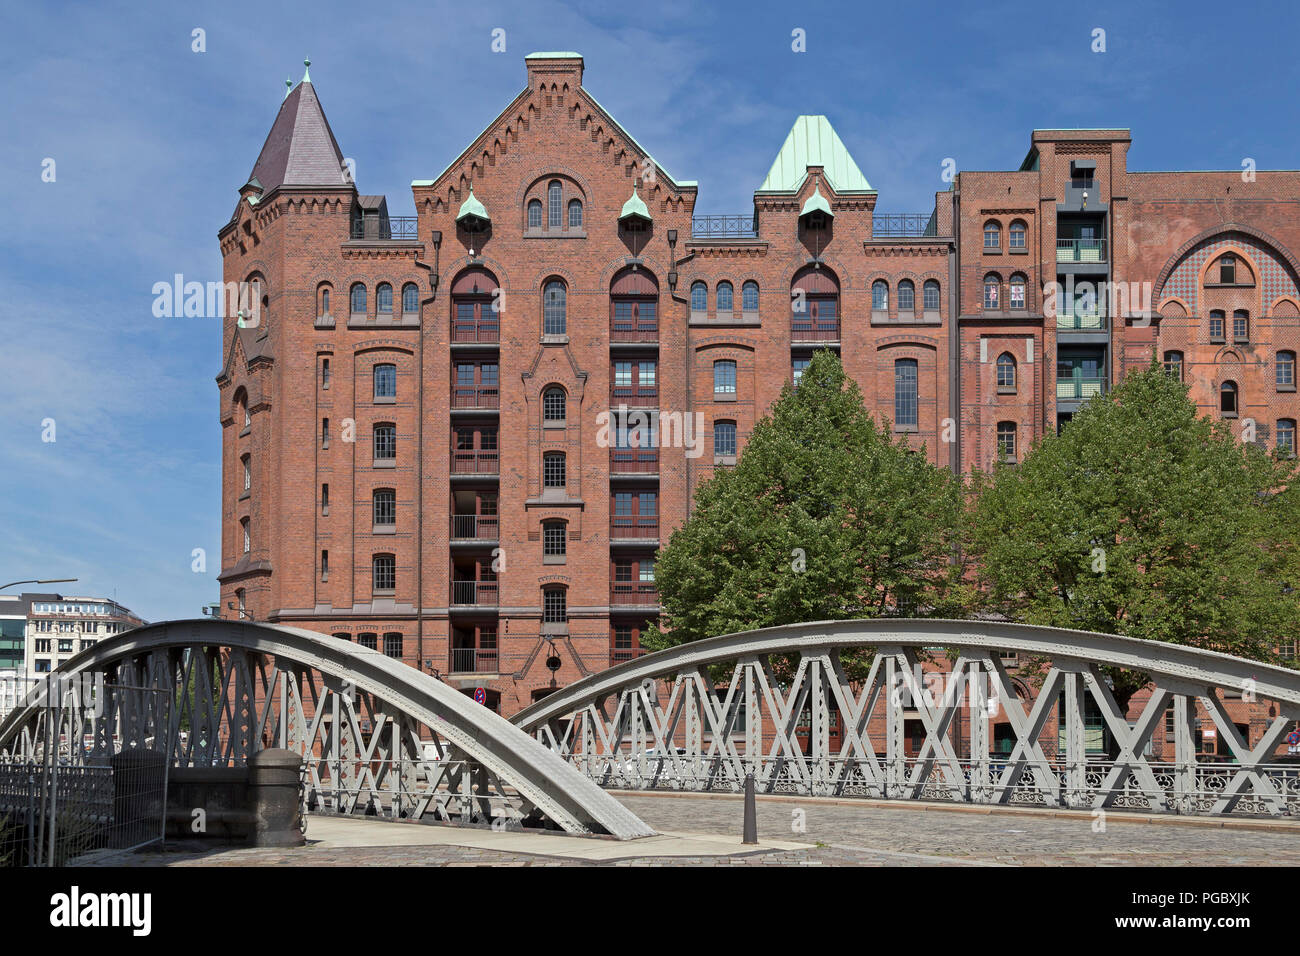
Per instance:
{"type": "Point", "coordinates": [855, 835]}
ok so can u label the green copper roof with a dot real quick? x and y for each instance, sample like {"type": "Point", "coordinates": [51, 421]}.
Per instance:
{"type": "Point", "coordinates": [472, 207]}
{"type": "Point", "coordinates": [816, 203]}
{"type": "Point", "coordinates": [814, 142]}
{"type": "Point", "coordinates": [635, 206]}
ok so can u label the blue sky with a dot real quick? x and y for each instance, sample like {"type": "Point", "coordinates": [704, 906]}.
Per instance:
{"type": "Point", "coordinates": [151, 142]}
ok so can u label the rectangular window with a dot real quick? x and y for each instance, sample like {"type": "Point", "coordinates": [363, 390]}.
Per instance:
{"type": "Point", "coordinates": [393, 645]}
{"type": "Point", "coordinates": [1240, 327]}
{"type": "Point", "coordinates": [797, 367]}
{"type": "Point", "coordinates": [324, 565]}
{"type": "Point", "coordinates": [724, 439]}
{"type": "Point", "coordinates": [1285, 369]}
{"type": "Point", "coordinates": [724, 378]}
{"type": "Point", "coordinates": [1216, 325]}
{"type": "Point", "coordinates": [385, 442]}
{"type": "Point", "coordinates": [905, 393]}
{"type": "Point", "coordinates": [554, 539]}
{"type": "Point", "coordinates": [554, 606]}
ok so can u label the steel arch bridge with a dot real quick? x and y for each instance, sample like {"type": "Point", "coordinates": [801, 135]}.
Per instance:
{"type": "Point", "coordinates": [376, 735]}
{"type": "Point", "coordinates": [659, 722]}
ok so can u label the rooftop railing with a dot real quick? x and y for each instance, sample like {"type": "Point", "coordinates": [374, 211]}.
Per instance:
{"type": "Point", "coordinates": [394, 228]}
{"type": "Point", "coordinates": [724, 227]}
{"type": "Point", "coordinates": [903, 224]}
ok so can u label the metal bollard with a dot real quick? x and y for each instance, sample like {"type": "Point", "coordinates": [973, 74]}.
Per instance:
{"type": "Point", "coordinates": [751, 813]}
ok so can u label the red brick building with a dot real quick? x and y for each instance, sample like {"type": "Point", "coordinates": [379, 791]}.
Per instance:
{"type": "Point", "coordinates": [461, 437]}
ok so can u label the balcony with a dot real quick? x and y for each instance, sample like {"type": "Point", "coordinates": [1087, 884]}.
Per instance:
{"type": "Point", "coordinates": [482, 399]}
{"type": "Point", "coordinates": [475, 527]}
{"type": "Point", "coordinates": [475, 332]}
{"type": "Point", "coordinates": [620, 655]}
{"type": "Point", "coordinates": [475, 463]}
{"type": "Point", "coordinates": [803, 328]}
{"type": "Point", "coordinates": [474, 593]}
{"type": "Point", "coordinates": [392, 229]}
{"type": "Point", "coordinates": [637, 396]}
{"type": "Point", "coordinates": [633, 331]}
{"type": "Point", "coordinates": [474, 660]}
{"type": "Point", "coordinates": [1078, 389]}
{"type": "Point", "coordinates": [639, 527]}
{"type": "Point", "coordinates": [1081, 320]}
{"type": "Point", "coordinates": [634, 461]}
{"type": "Point", "coordinates": [725, 227]}
{"type": "Point", "coordinates": [633, 594]}
{"type": "Point", "coordinates": [1080, 250]}
{"type": "Point", "coordinates": [903, 224]}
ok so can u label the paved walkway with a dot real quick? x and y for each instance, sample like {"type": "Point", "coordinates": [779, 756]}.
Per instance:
{"type": "Point", "coordinates": [704, 831]}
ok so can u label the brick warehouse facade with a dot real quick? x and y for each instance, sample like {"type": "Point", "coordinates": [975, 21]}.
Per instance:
{"type": "Point", "coordinates": [417, 445]}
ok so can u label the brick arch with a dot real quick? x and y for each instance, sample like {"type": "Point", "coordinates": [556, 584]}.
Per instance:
{"type": "Point", "coordinates": [841, 271]}
{"type": "Point", "coordinates": [1276, 307]}
{"type": "Point", "coordinates": [1174, 300]}
{"type": "Point", "coordinates": [1279, 249]}
{"type": "Point", "coordinates": [1235, 249]}
{"type": "Point", "coordinates": [652, 265]}
{"type": "Point", "coordinates": [542, 174]}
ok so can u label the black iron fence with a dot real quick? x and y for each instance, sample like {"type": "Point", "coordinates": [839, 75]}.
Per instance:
{"type": "Point", "coordinates": [903, 224]}
{"type": "Point", "coordinates": [398, 228]}
{"type": "Point", "coordinates": [724, 227]}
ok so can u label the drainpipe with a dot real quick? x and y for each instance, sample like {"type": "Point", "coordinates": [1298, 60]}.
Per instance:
{"type": "Point", "coordinates": [954, 336]}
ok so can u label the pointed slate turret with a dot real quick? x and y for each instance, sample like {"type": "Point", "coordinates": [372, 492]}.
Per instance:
{"type": "Point", "coordinates": [300, 149]}
{"type": "Point", "coordinates": [813, 142]}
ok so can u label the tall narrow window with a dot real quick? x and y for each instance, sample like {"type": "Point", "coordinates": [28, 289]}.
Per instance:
{"type": "Point", "coordinates": [1174, 364]}
{"type": "Point", "coordinates": [393, 645]}
{"type": "Point", "coordinates": [1228, 270]}
{"type": "Point", "coordinates": [324, 373]}
{"type": "Point", "coordinates": [358, 299]}
{"type": "Point", "coordinates": [1006, 371]}
{"type": "Point", "coordinates": [1216, 325]}
{"type": "Point", "coordinates": [554, 473]}
{"type": "Point", "coordinates": [992, 286]}
{"type": "Point", "coordinates": [248, 539]}
{"type": "Point", "coordinates": [384, 298]}
{"type": "Point", "coordinates": [1286, 437]}
{"type": "Point", "coordinates": [725, 303]}
{"type": "Point", "coordinates": [724, 377]}
{"type": "Point", "coordinates": [699, 297]}
{"type": "Point", "coordinates": [797, 367]}
{"type": "Point", "coordinates": [385, 507]}
{"type": "Point", "coordinates": [905, 393]}
{"type": "Point", "coordinates": [324, 301]}
{"type": "Point", "coordinates": [555, 405]}
{"type": "Point", "coordinates": [906, 296]}
{"type": "Point", "coordinates": [1228, 399]}
{"type": "Point", "coordinates": [554, 539]}
{"type": "Point", "coordinates": [555, 309]}
{"type": "Point", "coordinates": [992, 235]}
{"type": "Point", "coordinates": [1241, 326]}
{"type": "Point", "coordinates": [1016, 237]}
{"type": "Point", "coordinates": [880, 296]}
{"type": "Point", "coordinates": [410, 298]}
{"type": "Point", "coordinates": [931, 293]}
{"type": "Point", "coordinates": [385, 572]}
{"type": "Point", "coordinates": [749, 296]}
{"type": "Point", "coordinates": [324, 432]}
{"type": "Point", "coordinates": [385, 442]}
{"type": "Point", "coordinates": [575, 214]}
{"type": "Point", "coordinates": [324, 499]}
{"type": "Point", "coordinates": [324, 565]}
{"type": "Point", "coordinates": [554, 204]}
{"type": "Point", "coordinates": [724, 439]}
{"type": "Point", "coordinates": [385, 381]}
{"type": "Point", "coordinates": [1286, 370]}
{"type": "Point", "coordinates": [535, 214]}
{"type": "Point", "coordinates": [555, 608]}
{"type": "Point", "coordinates": [1017, 287]}
{"type": "Point", "coordinates": [1007, 442]}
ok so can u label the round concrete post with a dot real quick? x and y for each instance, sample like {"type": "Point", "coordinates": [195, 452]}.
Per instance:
{"type": "Point", "coordinates": [274, 790]}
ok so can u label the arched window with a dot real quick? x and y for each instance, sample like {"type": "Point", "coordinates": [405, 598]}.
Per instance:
{"type": "Point", "coordinates": [1286, 370]}
{"type": "Point", "coordinates": [247, 461]}
{"type": "Point", "coordinates": [554, 539]}
{"type": "Point", "coordinates": [575, 213]}
{"type": "Point", "coordinates": [906, 296]}
{"type": "Point", "coordinates": [699, 297]}
{"type": "Point", "coordinates": [634, 306]}
{"type": "Point", "coordinates": [1240, 326]}
{"type": "Point", "coordinates": [992, 234]}
{"type": "Point", "coordinates": [555, 316]}
{"type": "Point", "coordinates": [749, 296]}
{"type": "Point", "coordinates": [385, 442]}
{"type": "Point", "coordinates": [1228, 269]}
{"type": "Point", "coordinates": [368, 640]}
{"type": "Point", "coordinates": [905, 393]}
{"type": "Point", "coordinates": [385, 381]}
{"type": "Point", "coordinates": [931, 293]}
{"type": "Point", "coordinates": [1018, 283]}
{"type": "Point", "coordinates": [1174, 364]}
{"type": "Point", "coordinates": [1007, 442]}
{"type": "Point", "coordinates": [554, 204]}
{"type": "Point", "coordinates": [554, 473]}
{"type": "Point", "coordinates": [554, 606]}
{"type": "Point", "coordinates": [1228, 399]}
{"type": "Point", "coordinates": [358, 299]}
{"type": "Point", "coordinates": [1216, 325]}
{"type": "Point", "coordinates": [555, 405]}
{"type": "Point", "coordinates": [385, 573]}
{"type": "Point", "coordinates": [724, 439]}
{"type": "Point", "coordinates": [385, 507]}
{"type": "Point", "coordinates": [1016, 237]}
{"type": "Point", "coordinates": [724, 377]}
{"type": "Point", "coordinates": [384, 298]}
{"type": "Point", "coordinates": [725, 297]}
{"type": "Point", "coordinates": [476, 315]}
{"type": "Point", "coordinates": [815, 305]}
{"type": "Point", "coordinates": [880, 296]}
{"type": "Point", "coordinates": [241, 408]}
{"type": "Point", "coordinates": [324, 302]}
{"type": "Point", "coordinates": [248, 538]}
{"type": "Point", "coordinates": [1006, 371]}
{"type": "Point", "coordinates": [535, 214]}
{"type": "Point", "coordinates": [992, 291]}
{"type": "Point", "coordinates": [410, 298]}
{"type": "Point", "coordinates": [1286, 437]}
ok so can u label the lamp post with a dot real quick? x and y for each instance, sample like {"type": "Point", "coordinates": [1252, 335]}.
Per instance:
{"type": "Point", "coordinates": [38, 581]}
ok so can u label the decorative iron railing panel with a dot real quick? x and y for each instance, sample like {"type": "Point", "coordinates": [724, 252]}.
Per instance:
{"type": "Point", "coordinates": [701, 716]}
{"type": "Point", "coordinates": [902, 224]}
{"type": "Point", "coordinates": [724, 227]}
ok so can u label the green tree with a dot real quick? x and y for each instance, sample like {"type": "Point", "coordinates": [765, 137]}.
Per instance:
{"type": "Point", "coordinates": [823, 517]}
{"type": "Point", "coordinates": [1143, 518]}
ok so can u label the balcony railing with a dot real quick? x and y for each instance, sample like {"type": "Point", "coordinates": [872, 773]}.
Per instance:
{"type": "Point", "coordinates": [633, 331]}
{"type": "Point", "coordinates": [903, 224]}
{"type": "Point", "coordinates": [474, 660]}
{"type": "Point", "coordinates": [803, 329]}
{"type": "Point", "coordinates": [485, 332]}
{"type": "Point", "coordinates": [475, 463]}
{"type": "Point", "coordinates": [1080, 250]}
{"type": "Point", "coordinates": [1080, 320]}
{"type": "Point", "coordinates": [634, 526]}
{"type": "Point", "coordinates": [395, 228]}
{"type": "Point", "coordinates": [641, 595]}
{"type": "Point", "coordinates": [724, 227]}
{"type": "Point", "coordinates": [474, 527]}
{"type": "Point", "coordinates": [474, 593]}
{"type": "Point", "coordinates": [637, 395]}
{"type": "Point", "coordinates": [617, 655]}
{"type": "Point", "coordinates": [468, 397]}
{"type": "Point", "coordinates": [1080, 388]}
{"type": "Point", "coordinates": [629, 461]}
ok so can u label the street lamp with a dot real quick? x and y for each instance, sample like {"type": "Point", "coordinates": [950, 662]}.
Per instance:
{"type": "Point", "coordinates": [38, 581]}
